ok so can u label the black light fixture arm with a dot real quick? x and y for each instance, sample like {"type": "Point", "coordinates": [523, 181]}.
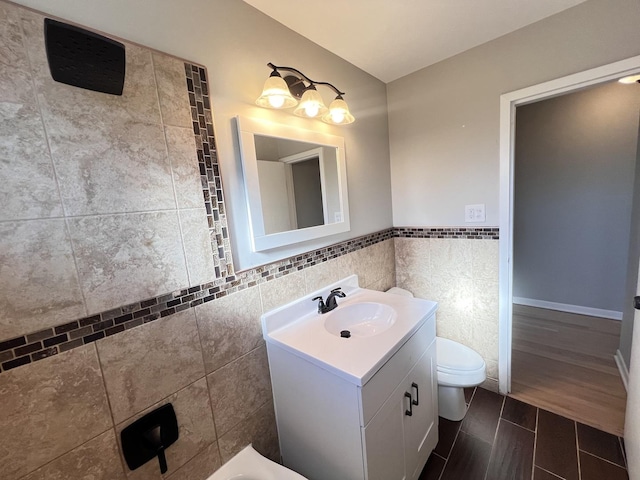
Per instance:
{"type": "Point", "coordinates": [311, 82]}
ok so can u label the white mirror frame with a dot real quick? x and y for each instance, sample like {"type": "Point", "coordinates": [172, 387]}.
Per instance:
{"type": "Point", "coordinates": [247, 129]}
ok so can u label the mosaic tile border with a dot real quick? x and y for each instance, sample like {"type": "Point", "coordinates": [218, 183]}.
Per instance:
{"type": "Point", "coordinates": [51, 341]}
{"type": "Point", "coordinates": [492, 233]}
{"type": "Point", "coordinates": [202, 118]}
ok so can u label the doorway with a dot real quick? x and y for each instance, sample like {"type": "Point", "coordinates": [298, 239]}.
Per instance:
{"type": "Point", "coordinates": [509, 102]}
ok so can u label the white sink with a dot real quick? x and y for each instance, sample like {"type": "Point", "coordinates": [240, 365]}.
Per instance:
{"type": "Point", "coordinates": [378, 323]}
{"type": "Point", "coordinates": [364, 319]}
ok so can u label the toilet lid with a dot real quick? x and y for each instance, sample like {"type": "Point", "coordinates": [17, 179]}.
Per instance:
{"type": "Point", "coordinates": [453, 356]}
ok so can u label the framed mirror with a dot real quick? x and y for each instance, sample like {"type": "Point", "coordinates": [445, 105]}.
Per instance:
{"type": "Point", "coordinates": [295, 183]}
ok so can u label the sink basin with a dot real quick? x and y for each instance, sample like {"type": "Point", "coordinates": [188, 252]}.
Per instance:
{"type": "Point", "coordinates": [364, 319]}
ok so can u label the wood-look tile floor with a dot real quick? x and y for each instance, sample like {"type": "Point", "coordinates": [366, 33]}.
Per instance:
{"type": "Point", "coordinates": [502, 438]}
{"type": "Point", "coordinates": [564, 363]}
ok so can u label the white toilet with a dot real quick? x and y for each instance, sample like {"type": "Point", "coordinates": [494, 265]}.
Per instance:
{"type": "Point", "coordinates": [458, 367]}
{"type": "Point", "coordinates": [250, 465]}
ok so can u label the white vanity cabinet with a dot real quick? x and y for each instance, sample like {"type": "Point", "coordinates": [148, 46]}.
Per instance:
{"type": "Point", "coordinates": [331, 428]}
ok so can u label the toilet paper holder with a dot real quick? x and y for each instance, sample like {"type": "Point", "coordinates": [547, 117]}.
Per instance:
{"type": "Point", "coordinates": [149, 437]}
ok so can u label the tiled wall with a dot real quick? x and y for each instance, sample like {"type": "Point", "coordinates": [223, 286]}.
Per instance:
{"type": "Point", "coordinates": [61, 416]}
{"type": "Point", "coordinates": [458, 268]}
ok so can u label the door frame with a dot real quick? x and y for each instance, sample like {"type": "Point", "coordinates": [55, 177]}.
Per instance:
{"type": "Point", "coordinates": [508, 103]}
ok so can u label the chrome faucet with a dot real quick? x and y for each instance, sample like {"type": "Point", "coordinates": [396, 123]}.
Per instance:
{"type": "Point", "coordinates": [331, 303]}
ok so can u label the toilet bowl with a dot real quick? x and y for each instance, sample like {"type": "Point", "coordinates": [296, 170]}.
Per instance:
{"type": "Point", "coordinates": [250, 465]}
{"type": "Point", "coordinates": [459, 367]}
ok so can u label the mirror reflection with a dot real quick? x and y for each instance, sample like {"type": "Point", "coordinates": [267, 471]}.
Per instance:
{"type": "Point", "coordinates": [298, 184]}
{"type": "Point", "coordinates": [295, 183]}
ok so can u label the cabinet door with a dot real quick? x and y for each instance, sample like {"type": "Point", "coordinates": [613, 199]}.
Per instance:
{"type": "Point", "coordinates": [383, 439]}
{"type": "Point", "coordinates": [421, 428]}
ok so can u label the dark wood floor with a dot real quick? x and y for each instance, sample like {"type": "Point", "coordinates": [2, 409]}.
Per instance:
{"type": "Point", "coordinates": [502, 438]}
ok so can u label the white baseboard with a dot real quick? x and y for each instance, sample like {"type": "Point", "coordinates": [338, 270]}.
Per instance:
{"type": "Point", "coordinates": [622, 367]}
{"type": "Point", "coordinates": [563, 307]}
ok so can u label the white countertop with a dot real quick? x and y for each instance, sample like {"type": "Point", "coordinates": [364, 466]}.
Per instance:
{"type": "Point", "coordinates": [299, 328]}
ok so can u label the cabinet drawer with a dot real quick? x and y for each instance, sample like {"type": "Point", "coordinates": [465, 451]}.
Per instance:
{"type": "Point", "coordinates": [374, 393]}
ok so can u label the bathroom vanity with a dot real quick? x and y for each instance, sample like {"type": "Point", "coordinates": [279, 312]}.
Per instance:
{"type": "Point", "coordinates": [361, 407]}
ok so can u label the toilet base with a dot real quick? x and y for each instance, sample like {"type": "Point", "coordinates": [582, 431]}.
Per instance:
{"type": "Point", "coordinates": [451, 404]}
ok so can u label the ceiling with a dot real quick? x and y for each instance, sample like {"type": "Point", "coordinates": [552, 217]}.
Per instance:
{"type": "Point", "coordinates": [393, 38]}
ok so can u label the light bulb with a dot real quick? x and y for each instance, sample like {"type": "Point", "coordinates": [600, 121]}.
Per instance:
{"type": "Point", "coordinates": [311, 109]}
{"type": "Point", "coordinates": [338, 113]}
{"type": "Point", "coordinates": [276, 101]}
{"type": "Point", "coordinates": [311, 104]}
{"type": "Point", "coordinates": [337, 116]}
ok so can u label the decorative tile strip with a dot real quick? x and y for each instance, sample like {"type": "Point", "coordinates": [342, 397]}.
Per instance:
{"type": "Point", "coordinates": [491, 233]}
{"type": "Point", "coordinates": [51, 341]}
{"type": "Point", "coordinates": [211, 179]}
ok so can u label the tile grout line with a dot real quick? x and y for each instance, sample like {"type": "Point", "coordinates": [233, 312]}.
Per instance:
{"type": "Point", "coordinates": [535, 444]}
{"type": "Point", "coordinates": [600, 458]}
{"type": "Point", "coordinates": [515, 424]}
{"type": "Point", "coordinates": [575, 429]}
{"type": "Point", "coordinates": [446, 461]}
{"type": "Point", "coordinates": [551, 473]}
{"type": "Point", "coordinates": [495, 436]}
{"type": "Point", "coordinates": [453, 444]}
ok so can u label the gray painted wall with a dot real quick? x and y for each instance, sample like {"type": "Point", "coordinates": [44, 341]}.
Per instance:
{"type": "Point", "coordinates": [626, 333]}
{"type": "Point", "coordinates": [444, 119]}
{"type": "Point", "coordinates": [575, 159]}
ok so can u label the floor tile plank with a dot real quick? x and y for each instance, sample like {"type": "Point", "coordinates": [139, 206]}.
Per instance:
{"type": "Point", "coordinates": [483, 414]}
{"type": "Point", "coordinates": [447, 431]}
{"type": "Point", "coordinates": [520, 413]}
{"type": "Point", "coordinates": [600, 444]}
{"type": "Point", "coordinates": [433, 469]}
{"type": "Point", "coordinates": [469, 459]}
{"type": "Point", "coordinates": [512, 456]}
{"type": "Point", "coordinates": [556, 449]}
{"type": "Point", "coordinates": [593, 468]}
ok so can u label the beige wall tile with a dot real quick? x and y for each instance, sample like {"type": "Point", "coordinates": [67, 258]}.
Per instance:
{"type": "Point", "coordinates": [107, 166]}
{"type": "Point", "coordinates": [29, 188]}
{"type": "Point", "coordinates": [239, 389]}
{"type": "Point", "coordinates": [201, 466]}
{"type": "Point", "coordinates": [15, 79]}
{"type": "Point", "coordinates": [418, 284]}
{"type": "Point", "coordinates": [38, 281]}
{"type": "Point", "coordinates": [259, 429]}
{"type": "Point", "coordinates": [49, 408]}
{"type": "Point", "coordinates": [172, 90]}
{"type": "Point", "coordinates": [282, 290]}
{"type": "Point", "coordinates": [229, 327]}
{"type": "Point", "coordinates": [197, 246]}
{"type": "Point", "coordinates": [196, 430]}
{"type": "Point", "coordinates": [412, 255]}
{"type": "Point", "coordinates": [124, 258]}
{"type": "Point", "coordinates": [181, 147]}
{"type": "Point", "coordinates": [325, 273]}
{"type": "Point", "coordinates": [150, 363]}
{"type": "Point", "coordinates": [451, 257]}
{"type": "Point", "coordinates": [374, 265]}
{"type": "Point", "coordinates": [98, 459]}
{"type": "Point", "coordinates": [486, 260]}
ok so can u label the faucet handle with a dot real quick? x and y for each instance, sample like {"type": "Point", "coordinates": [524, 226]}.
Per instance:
{"type": "Point", "coordinates": [338, 292]}
{"type": "Point", "coordinates": [321, 306]}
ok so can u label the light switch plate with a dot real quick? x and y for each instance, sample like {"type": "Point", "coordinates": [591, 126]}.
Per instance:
{"type": "Point", "coordinates": [474, 213]}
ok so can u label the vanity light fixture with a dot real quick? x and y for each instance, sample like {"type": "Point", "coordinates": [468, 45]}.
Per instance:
{"type": "Point", "coordinates": [279, 92]}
